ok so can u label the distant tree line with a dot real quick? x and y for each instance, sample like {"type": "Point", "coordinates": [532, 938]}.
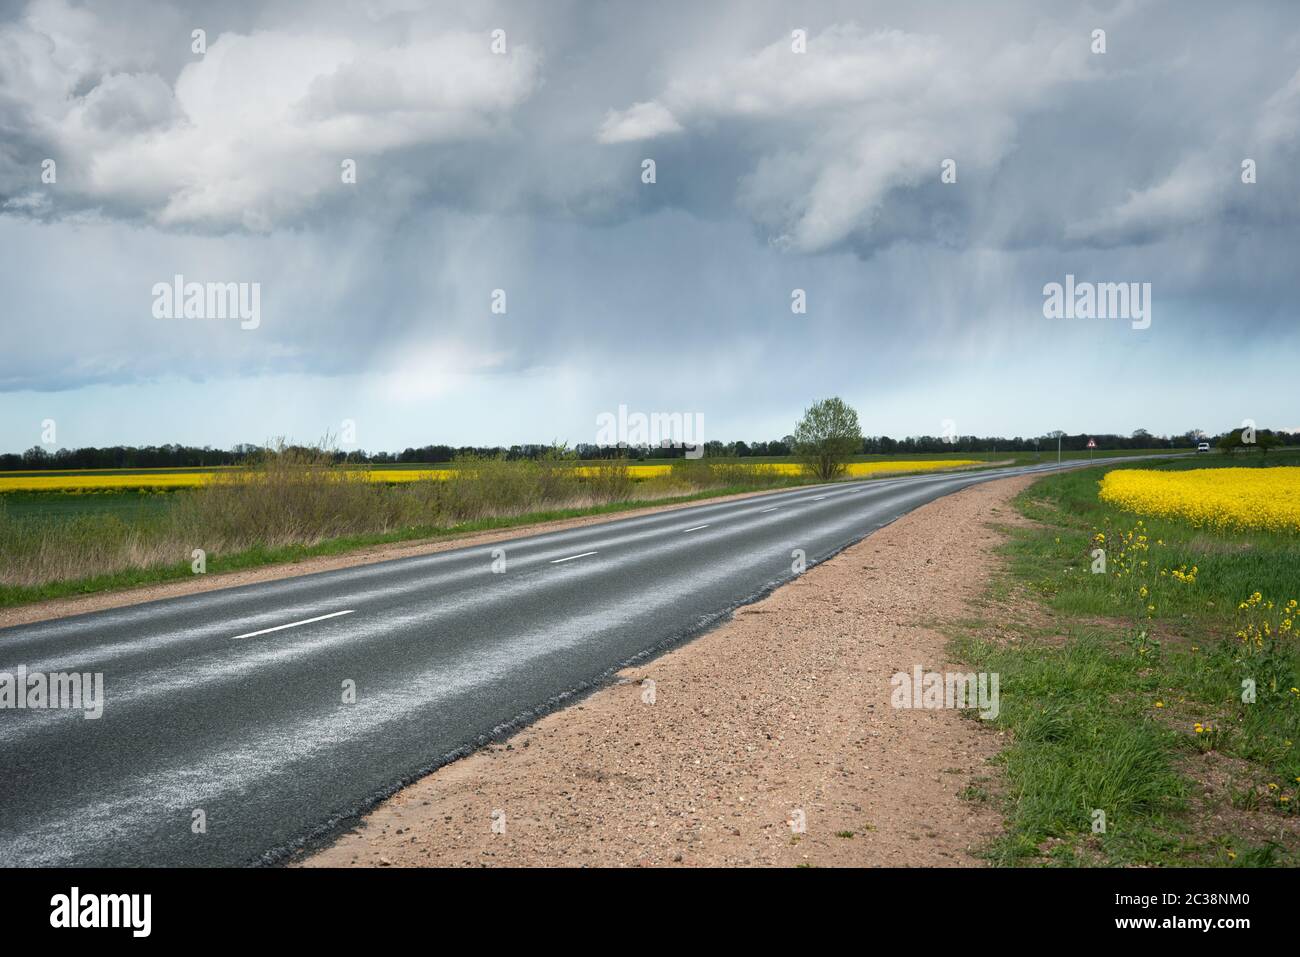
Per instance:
{"type": "Point", "coordinates": [184, 456]}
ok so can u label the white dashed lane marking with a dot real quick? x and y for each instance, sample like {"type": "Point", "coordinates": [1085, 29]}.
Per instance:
{"type": "Point", "coordinates": [556, 561]}
{"type": "Point", "coordinates": [294, 624]}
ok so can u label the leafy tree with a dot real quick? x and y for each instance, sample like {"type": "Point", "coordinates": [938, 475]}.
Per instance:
{"type": "Point", "coordinates": [1267, 439]}
{"type": "Point", "coordinates": [1264, 439]}
{"type": "Point", "coordinates": [1230, 442]}
{"type": "Point", "coordinates": [827, 437]}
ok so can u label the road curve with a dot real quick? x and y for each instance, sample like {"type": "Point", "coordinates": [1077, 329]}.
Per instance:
{"type": "Point", "coordinates": [231, 703]}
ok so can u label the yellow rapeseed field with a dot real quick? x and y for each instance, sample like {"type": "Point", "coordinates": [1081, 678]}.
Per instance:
{"type": "Point", "coordinates": [103, 482]}
{"type": "Point", "coordinates": [1227, 498]}
{"type": "Point", "coordinates": [146, 479]}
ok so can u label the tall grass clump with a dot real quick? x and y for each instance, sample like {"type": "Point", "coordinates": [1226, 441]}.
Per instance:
{"type": "Point", "coordinates": [35, 550]}
{"type": "Point", "coordinates": [701, 474]}
{"type": "Point", "coordinates": [495, 486]}
{"type": "Point", "coordinates": [286, 496]}
{"type": "Point", "coordinates": [610, 482]}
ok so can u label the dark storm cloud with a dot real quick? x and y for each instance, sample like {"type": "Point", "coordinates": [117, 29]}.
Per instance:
{"type": "Point", "coordinates": [836, 147]}
{"type": "Point", "coordinates": [521, 171]}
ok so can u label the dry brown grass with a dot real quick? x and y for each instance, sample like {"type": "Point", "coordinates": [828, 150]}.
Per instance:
{"type": "Point", "coordinates": [290, 496]}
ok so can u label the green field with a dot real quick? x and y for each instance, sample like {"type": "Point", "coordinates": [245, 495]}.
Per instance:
{"type": "Point", "coordinates": [127, 504]}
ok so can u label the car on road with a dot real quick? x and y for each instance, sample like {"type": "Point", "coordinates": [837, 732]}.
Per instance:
{"type": "Point", "coordinates": [1203, 446]}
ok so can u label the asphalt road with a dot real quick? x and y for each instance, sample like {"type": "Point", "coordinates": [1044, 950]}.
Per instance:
{"type": "Point", "coordinates": [231, 702]}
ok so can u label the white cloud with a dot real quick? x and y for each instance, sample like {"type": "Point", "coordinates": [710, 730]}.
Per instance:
{"type": "Point", "coordinates": [640, 121]}
{"type": "Point", "coordinates": [1189, 194]}
{"type": "Point", "coordinates": [1279, 119]}
{"type": "Point", "coordinates": [253, 132]}
{"type": "Point", "coordinates": [835, 129]}
{"type": "Point", "coordinates": [1207, 183]}
{"type": "Point", "coordinates": [29, 201]}
{"type": "Point", "coordinates": [434, 370]}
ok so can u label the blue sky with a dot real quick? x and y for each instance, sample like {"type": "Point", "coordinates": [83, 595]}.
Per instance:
{"type": "Point", "coordinates": [520, 169]}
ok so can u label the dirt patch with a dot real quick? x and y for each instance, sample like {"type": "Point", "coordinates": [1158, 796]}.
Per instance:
{"type": "Point", "coordinates": [1229, 800]}
{"type": "Point", "coordinates": [63, 607]}
{"type": "Point", "coordinates": [780, 714]}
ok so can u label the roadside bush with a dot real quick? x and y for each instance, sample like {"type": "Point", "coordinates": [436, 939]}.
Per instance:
{"type": "Point", "coordinates": [487, 485]}
{"type": "Point", "coordinates": [699, 474]}
{"type": "Point", "coordinates": [287, 496]}
{"type": "Point", "coordinates": [610, 482]}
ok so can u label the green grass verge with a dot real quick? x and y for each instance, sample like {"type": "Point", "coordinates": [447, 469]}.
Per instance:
{"type": "Point", "coordinates": [1103, 687]}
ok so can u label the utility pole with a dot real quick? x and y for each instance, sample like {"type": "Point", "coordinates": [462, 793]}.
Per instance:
{"type": "Point", "coordinates": [1058, 448]}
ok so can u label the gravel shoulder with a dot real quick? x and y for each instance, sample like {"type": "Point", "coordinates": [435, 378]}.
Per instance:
{"type": "Point", "coordinates": [782, 714]}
